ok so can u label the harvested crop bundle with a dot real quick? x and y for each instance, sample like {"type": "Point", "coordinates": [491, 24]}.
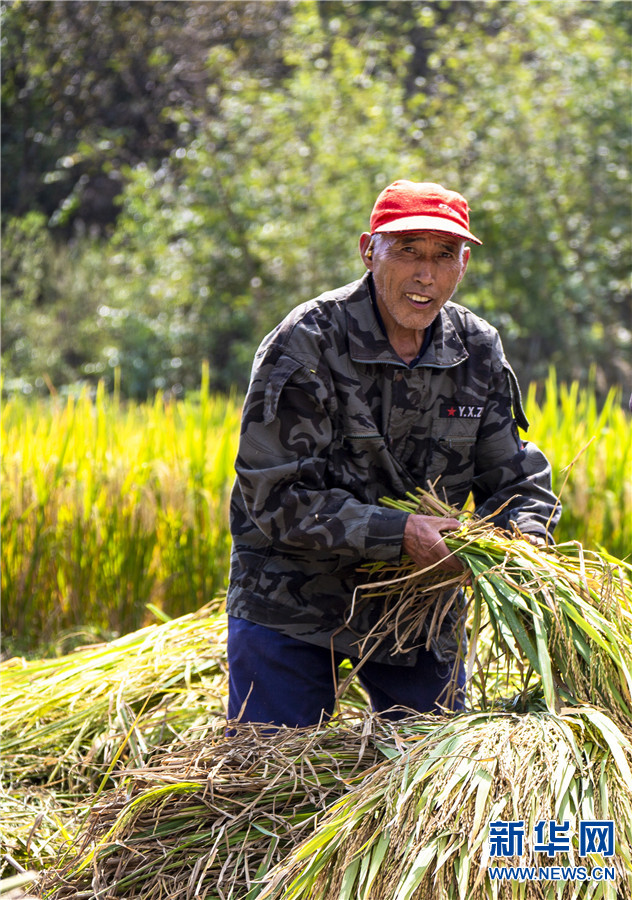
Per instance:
{"type": "Point", "coordinates": [209, 819]}
{"type": "Point", "coordinates": [363, 809]}
{"type": "Point", "coordinates": [562, 614]}
{"type": "Point", "coordinates": [64, 720]}
{"type": "Point", "coordinates": [37, 827]}
{"type": "Point", "coordinates": [418, 828]}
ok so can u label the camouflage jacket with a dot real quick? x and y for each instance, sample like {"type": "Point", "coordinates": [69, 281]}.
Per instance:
{"type": "Point", "coordinates": [333, 421]}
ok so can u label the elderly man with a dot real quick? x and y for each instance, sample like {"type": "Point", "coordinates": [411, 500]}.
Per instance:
{"type": "Point", "coordinates": [367, 392]}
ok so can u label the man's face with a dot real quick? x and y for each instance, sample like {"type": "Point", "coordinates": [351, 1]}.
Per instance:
{"type": "Point", "coordinates": [415, 274]}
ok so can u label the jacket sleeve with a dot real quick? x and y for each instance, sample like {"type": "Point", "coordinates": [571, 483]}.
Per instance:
{"type": "Point", "coordinates": [510, 472]}
{"type": "Point", "coordinates": [282, 470]}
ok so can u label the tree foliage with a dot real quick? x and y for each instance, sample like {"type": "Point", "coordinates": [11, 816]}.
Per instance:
{"type": "Point", "coordinates": [245, 144]}
{"type": "Point", "coordinates": [89, 89]}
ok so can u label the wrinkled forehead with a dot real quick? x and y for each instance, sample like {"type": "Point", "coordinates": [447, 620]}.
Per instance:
{"type": "Point", "coordinates": [422, 238]}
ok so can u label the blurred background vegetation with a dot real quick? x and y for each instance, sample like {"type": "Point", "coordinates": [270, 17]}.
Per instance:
{"type": "Point", "coordinates": [178, 175]}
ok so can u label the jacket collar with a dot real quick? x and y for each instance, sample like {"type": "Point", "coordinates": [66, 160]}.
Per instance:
{"type": "Point", "coordinates": [368, 344]}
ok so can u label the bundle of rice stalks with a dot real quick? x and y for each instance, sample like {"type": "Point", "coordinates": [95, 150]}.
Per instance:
{"type": "Point", "coordinates": [209, 819]}
{"type": "Point", "coordinates": [562, 614]}
{"type": "Point", "coordinates": [65, 721]}
{"type": "Point", "coordinates": [418, 828]}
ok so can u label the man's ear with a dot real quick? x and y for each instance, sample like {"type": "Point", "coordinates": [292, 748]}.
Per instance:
{"type": "Point", "coordinates": [366, 251]}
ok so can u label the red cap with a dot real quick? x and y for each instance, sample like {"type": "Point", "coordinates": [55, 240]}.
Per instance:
{"type": "Point", "coordinates": [421, 206]}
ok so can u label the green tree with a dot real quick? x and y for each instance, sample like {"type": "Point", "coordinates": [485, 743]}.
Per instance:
{"type": "Point", "coordinates": [51, 293]}
{"type": "Point", "coordinates": [259, 212]}
{"type": "Point", "coordinates": [253, 161]}
{"type": "Point", "coordinates": [87, 90]}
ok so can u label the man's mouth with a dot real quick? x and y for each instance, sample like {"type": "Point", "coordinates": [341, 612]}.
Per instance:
{"type": "Point", "coordinates": [419, 301]}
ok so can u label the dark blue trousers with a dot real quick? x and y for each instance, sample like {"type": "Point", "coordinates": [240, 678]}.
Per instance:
{"type": "Point", "coordinates": [279, 680]}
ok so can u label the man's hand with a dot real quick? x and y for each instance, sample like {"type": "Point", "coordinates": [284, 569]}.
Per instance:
{"type": "Point", "coordinates": [424, 543]}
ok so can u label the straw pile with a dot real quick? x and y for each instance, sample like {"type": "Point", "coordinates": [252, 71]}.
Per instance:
{"type": "Point", "coordinates": [417, 828]}
{"type": "Point", "coordinates": [15, 888]}
{"type": "Point", "coordinates": [366, 810]}
{"type": "Point", "coordinates": [557, 623]}
{"type": "Point", "coordinates": [37, 827]}
{"type": "Point", "coordinates": [209, 820]}
{"type": "Point", "coordinates": [67, 721]}
{"type": "Point", "coordinates": [359, 811]}
{"type": "Point", "coordinates": [71, 726]}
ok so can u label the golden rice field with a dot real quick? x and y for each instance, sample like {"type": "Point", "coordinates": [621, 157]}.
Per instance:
{"type": "Point", "coordinates": [108, 508]}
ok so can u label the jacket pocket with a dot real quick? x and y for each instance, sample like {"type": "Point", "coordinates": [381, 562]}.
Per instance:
{"type": "Point", "coordinates": [279, 377]}
{"type": "Point", "coordinates": [455, 433]}
{"type": "Point", "coordinates": [453, 457]}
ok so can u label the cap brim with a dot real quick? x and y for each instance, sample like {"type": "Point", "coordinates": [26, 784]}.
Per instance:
{"type": "Point", "coordinates": [427, 223]}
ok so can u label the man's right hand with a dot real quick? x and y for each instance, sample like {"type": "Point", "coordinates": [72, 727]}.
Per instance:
{"type": "Point", "coordinates": [423, 541]}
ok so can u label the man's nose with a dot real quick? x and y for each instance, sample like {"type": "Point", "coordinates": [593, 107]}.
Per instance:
{"type": "Point", "coordinates": [425, 271]}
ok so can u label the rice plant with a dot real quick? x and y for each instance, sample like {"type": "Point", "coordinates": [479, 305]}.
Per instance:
{"type": "Point", "coordinates": [71, 727]}
{"type": "Point", "coordinates": [208, 819]}
{"type": "Point", "coordinates": [108, 508]}
{"type": "Point", "coordinates": [595, 440]}
{"type": "Point", "coordinates": [358, 810]}
{"type": "Point", "coordinates": [38, 826]}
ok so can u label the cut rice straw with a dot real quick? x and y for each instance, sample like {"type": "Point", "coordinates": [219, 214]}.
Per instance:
{"type": "Point", "coordinates": [64, 720]}
{"type": "Point", "coordinates": [418, 828]}
{"type": "Point", "coordinates": [210, 819]}
{"type": "Point", "coordinates": [561, 613]}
